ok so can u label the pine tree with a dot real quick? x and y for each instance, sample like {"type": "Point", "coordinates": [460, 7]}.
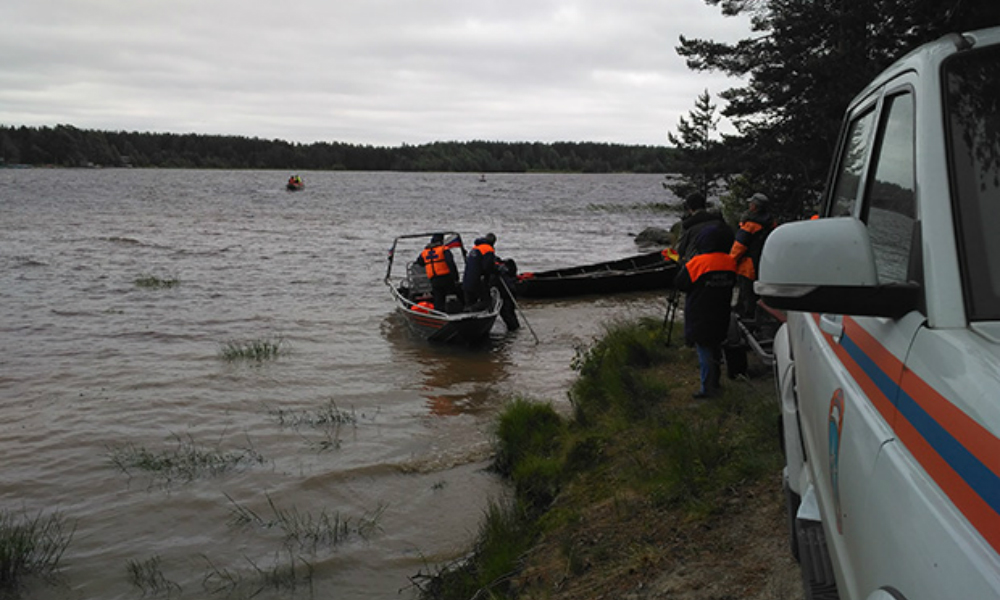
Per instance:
{"type": "Point", "coordinates": [800, 69]}
{"type": "Point", "coordinates": [697, 151]}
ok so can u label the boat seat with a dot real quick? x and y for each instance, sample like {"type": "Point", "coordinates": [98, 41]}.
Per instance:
{"type": "Point", "coordinates": [420, 285]}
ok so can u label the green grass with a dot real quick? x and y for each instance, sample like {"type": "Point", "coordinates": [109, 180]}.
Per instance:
{"type": "Point", "coordinates": [153, 282]}
{"type": "Point", "coordinates": [258, 350]}
{"type": "Point", "coordinates": [634, 432]}
{"type": "Point", "coordinates": [528, 450]}
{"type": "Point", "coordinates": [615, 377]}
{"type": "Point", "coordinates": [185, 461]}
{"type": "Point", "coordinates": [30, 546]}
{"type": "Point", "coordinates": [504, 534]}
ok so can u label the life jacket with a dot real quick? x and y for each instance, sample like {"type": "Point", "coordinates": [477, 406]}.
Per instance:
{"type": "Point", "coordinates": [708, 295]}
{"type": "Point", "coordinates": [706, 263]}
{"type": "Point", "coordinates": [749, 242]}
{"type": "Point", "coordinates": [422, 307]}
{"type": "Point", "coordinates": [434, 261]}
{"type": "Point", "coordinates": [484, 249]}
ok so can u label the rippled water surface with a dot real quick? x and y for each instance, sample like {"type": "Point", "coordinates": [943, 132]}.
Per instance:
{"type": "Point", "coordinates": [355, 422]}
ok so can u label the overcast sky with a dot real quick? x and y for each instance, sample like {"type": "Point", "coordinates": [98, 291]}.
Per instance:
{"type": "Point", "coordinates": [381, 72]}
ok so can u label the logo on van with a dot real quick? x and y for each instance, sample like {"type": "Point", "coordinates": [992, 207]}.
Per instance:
{"type": "Point", "coordinates": [836, 424]}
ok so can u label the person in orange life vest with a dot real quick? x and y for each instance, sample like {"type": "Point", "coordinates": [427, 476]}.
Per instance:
{"type": "Point", "coordinates": [480, 268]}
{"type": "Point", "coordinates": [707, 280]}
{"type": "Point", "coordinates": [441, 270]}
{"type": "Point", "coordinates": [755, 226]}
{"type": "Point", "coordinates": [696, 217]}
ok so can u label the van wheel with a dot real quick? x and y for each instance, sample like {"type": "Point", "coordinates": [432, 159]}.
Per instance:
{"type": "Point", "coordinates": [818, 581]}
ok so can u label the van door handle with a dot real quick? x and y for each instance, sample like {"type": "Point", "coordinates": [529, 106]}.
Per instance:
{"type": "Point", "coordinates": [833, 325]}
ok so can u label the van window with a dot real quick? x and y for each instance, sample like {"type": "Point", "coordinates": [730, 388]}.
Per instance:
{"type": "Point", "coordinates": [851, 165]}
{"type": "Point", "coordinates": [891, 209]}
{"type": "Point", "coordinates": [972, 99]}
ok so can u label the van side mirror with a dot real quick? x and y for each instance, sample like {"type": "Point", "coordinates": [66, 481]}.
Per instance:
{"type": "Point", "coordinates": [828, 266]}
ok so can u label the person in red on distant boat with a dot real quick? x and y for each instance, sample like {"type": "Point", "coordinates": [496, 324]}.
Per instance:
{"type": "Point", "coordinates": [441, 270]}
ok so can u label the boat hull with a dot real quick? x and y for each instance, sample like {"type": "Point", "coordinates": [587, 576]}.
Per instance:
{"type": "Point", "coordinates": [469, 330]}
{"type": "Point", "coordinates": [642, 272]}
{"type": "Point", "coordinates": [457, 328]}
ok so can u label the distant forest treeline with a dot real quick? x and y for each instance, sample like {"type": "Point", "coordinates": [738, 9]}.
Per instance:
{"type": "Point", "coordinates": [67, 146]}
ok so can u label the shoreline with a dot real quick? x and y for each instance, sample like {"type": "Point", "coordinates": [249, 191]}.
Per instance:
{"type": "Point", "coordinates": [651, 494]}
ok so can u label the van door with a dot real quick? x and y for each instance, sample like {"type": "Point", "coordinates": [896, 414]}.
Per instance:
{"type": "Point", "coordinates": [854, 386]}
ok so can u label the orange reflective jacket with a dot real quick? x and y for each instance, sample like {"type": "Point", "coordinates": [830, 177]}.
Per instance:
{"type": "Point", "coordinates": [705, 263]}
{"type": "Point", "coordinates": [434, 261]}
{"type": "Point", "coordinates": [749, 232]}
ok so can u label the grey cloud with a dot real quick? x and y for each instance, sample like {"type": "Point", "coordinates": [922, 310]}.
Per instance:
{"type": "Point", "coordinates": [378, 72]}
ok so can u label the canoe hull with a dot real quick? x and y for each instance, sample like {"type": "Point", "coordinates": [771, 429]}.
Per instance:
{"type": "Point", "coordinates": [642, 272]}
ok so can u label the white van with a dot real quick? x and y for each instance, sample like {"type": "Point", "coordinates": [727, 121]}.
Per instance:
{"type": "Point", "coordinates": [888, 367]}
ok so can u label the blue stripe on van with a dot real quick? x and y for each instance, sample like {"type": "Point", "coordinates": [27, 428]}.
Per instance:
{"type": "Point", "coordinates": [977, 475]}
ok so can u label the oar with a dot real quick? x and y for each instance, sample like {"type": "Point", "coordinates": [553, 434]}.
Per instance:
{"type": "Point", "coordinates": [510, 295]}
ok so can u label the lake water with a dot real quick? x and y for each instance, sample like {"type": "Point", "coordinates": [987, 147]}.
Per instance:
{"type": "Point", "coordinates": [355, 422]}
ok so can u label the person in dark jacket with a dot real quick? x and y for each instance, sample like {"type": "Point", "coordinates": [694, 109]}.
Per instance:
{"type": "Point", "coordinates": [506, 278]}
{"type": "Point", "coordinates": [480, 268]}
{"type": "Point", "coordinates": [755, 226]}
{"type": "Point", "coordinates": [696, 217]}
{"type": "Point", "coordinates": [441, 270]}
{"type": "Point", "coordinates": [707, 280]}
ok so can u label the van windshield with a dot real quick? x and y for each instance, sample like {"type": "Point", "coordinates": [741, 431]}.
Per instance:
{"type": "Point", "coordinates": [972, 101]}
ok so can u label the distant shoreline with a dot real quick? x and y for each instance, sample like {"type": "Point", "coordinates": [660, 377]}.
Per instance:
{"type": "Point", "coordinates": [67, 146]}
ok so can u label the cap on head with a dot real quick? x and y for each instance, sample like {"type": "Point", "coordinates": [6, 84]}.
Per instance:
{"type": "Point", "coordinates": [437, 238]}
{"type": "Point", "coordinates": [491, 239]}
{"type": "Point", "coordinates": [694, 201]}
{"type": "Point", "coordinates": [760, 200]}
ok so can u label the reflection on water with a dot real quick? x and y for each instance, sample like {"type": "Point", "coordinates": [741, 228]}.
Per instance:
{"type": "Point", "coordinates": [454, 379]}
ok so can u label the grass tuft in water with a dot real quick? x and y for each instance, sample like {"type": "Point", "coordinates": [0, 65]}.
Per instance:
{"type": "Point", "coordinates": [153, 282]}
{"type": "Point", "coordinates": [148, 577]}
{"type": "Point", "coordinates": [185, 461]}
{"type": "Point", "coordinates": [280, 576]}
{"type": "Point", "coordinates": [258, 350]}
{"type": "Point", "coordinates": [326, 416]}
{"type": "Point", "coordinates": [30, 546]}
{"type": "Point", "coordinates": [305, 531]}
